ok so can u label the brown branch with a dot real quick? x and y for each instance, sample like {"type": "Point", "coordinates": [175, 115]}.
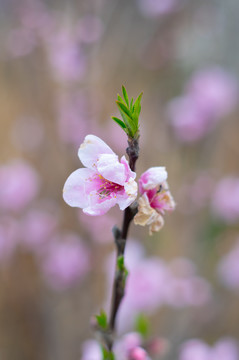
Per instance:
{"type": "Point", "coordinates": [120, 237]}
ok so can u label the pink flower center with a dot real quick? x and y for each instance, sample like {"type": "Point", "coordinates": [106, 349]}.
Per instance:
{"type": "Point", "coordinates": [106, 188]}
{"type": "Point", "coordinates": [158, 198]}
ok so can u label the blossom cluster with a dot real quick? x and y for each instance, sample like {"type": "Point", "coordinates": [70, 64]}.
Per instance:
{"type": "Point", "coordinates": [105, 181]}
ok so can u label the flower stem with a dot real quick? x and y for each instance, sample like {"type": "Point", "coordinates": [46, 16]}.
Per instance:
{"type": "Point", "coordinates": [120, 237]}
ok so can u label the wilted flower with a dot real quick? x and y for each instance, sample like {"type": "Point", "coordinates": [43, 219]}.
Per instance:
{"type": "Point", "coordinates": [155, 200]}
{"type": "Point", "coordinates": [104, 182]}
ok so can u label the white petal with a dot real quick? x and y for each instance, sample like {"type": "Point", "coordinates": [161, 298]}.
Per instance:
{"type": "Point", "coordinates": [91, 149]}
{"type": "Point", "coordinates": [153, 177]}
{"type": "Point", "coordinates": [129, 196]}
{"type": "Point", "coordinates": [96, 208]}
{"type": "Point", "coordinates": [111, 169]}
{"type": "Point", "coordinates": [75, 191]}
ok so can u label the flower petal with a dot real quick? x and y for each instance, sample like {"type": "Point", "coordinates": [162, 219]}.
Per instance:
{"type": "Point", "coordinates": [163, 202]}
{"type": "Point", "coordinates": [77, 188]}
{"type": "Point", "coordinates": [126, 198]}
{"type": "Point", "coordinates": [91, 149]}
{"type": "Point", "coordinates": [152, 178]}
{"type": "Point", "coordinates": [146, 215]}
{"type": "Point", "coordinates": [97, 207]}
{"type": "Point", "coordinates": [156, 225]}
{"type": "Point", "coordinates": [129, 173]}
{"type": "Point", "coordinates": [110, 168]}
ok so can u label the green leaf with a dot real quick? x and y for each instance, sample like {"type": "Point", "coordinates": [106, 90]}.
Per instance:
{"type": "Point", "coordinates": [121, 267]}
{"type": "Point", "coordinates": [104, 353]}
{"type": "Point", "coordinates": [102, 320]}
{"type": "Point", "coordinates": [120, 98]}
{"type": "Point", "coordinates": [111, 356]}
{"type": "Point", "coordinates": [131, 105]}
{"type": "Point", "coordinates": [142, 325]}
{"type": "Point", "coordinates": [124, 108]}
{"type": "Point", "coordinates": [125, 95]}
{"type": "Point", "coordinates": [119, 122]}
{"type": "Point", "coordinates": [130, 128]}
{"type": "Point", "coordinates": [130, 114]}
{"type": "Point", "coordinates": [130, 123]}
{"type": "Point", "coordinates": [120, 263]}
{"type": "Point", "coordinates": [107, 355]}
{"type": "Point", "coordinates": [137, 106]}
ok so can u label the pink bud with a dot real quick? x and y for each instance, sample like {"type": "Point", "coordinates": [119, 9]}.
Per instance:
{"type": "Point", "coordinates": [138, 353]}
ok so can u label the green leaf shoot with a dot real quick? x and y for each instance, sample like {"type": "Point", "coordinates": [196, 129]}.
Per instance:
{"type": "Point", "coordinates": [129, 112]}
{"type": "Point", "coordinates": [121, 267]}
{"type": "Point", "coordinates": [102, 320]}
{"type": "Point", "coordinates": [125, 95]}
{"type": "Point", "coordinates": [107, 355]}
{"type": "Point", "coordinates": [124, 108]}
{"type": "Point", "coordinates": [119, 122]}
{"type": "Point", "coordinates": [142, 325]}
{"type": "Point", "coordinates": [137, 106]}
{"type": "Point", "coordinates": [120, 263]}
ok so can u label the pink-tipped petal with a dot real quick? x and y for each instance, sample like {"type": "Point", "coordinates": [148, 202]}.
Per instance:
{"type": "Point", "coordinates": [91, 149]}
{"type": "Point", "coordinates": [75, 192]}
{"type": "Point", "coordinates": [152, 178]}
{"type": "Point", "coordinates": [109, 167]}
{"type": "Point", "coordinates": [97, 207]}
{"type": "Point", "coordinates": [129, 173]}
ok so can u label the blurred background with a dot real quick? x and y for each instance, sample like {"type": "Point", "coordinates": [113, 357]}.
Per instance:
{"type": "Point", "coordinates": [62, 64]}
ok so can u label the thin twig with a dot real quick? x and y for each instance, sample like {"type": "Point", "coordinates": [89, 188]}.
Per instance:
{"type": "Point", "coordinates": [120, 237]}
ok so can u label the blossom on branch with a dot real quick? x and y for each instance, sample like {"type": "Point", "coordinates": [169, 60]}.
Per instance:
{"type": "Point", "coordinates": [104, 182]}
{"type": "Point", "coordinates": [155, 200]}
